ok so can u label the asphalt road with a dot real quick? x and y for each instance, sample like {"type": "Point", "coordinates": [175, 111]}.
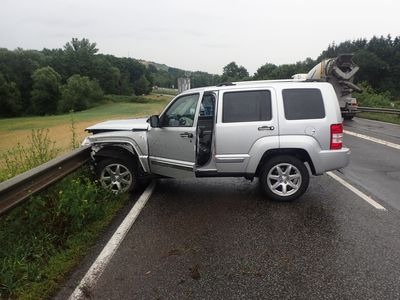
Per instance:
{"type": "Point", "coordinates": [221, 239]}
{"type": "Point", "coordinates": [375, 167]}
{"type": "Point", "coordinates": [381, 130]}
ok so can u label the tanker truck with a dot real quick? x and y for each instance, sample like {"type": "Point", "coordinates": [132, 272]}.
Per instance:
{"type": "Point", "coordinates": [340, 73]}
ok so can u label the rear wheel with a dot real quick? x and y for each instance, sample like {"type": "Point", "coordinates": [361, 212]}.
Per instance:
{"type": "Point", "coordinates": [284, 178]}
{"type": "Point", "coordinates": [117, 175]}
{"type": "Point", "coordinates": [348, 117]}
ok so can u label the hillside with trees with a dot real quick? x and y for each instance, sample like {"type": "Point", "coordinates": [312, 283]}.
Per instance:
{"type": "Point", "coordinates": [76, 76]}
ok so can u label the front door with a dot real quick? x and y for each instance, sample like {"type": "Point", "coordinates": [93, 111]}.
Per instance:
{"type": "Point", "coordinates": [172, 146]}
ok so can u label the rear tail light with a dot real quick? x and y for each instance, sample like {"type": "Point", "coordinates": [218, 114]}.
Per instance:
{"type": "Point", "coordinates": [336, 136]}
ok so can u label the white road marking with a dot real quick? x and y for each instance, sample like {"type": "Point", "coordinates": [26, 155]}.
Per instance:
{"type": "Point", "coordinates": [97, 268]}
{"type": "Point", "coordinates": [356, 191]}
{"type": "Point", "coordinates": [372, 139]}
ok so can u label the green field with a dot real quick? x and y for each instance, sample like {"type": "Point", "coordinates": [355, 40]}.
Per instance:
{"type": "Point", "coordinates": [16, 130]}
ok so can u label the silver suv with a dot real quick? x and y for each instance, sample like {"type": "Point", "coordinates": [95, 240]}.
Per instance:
{"type": "Point", "coordinates": [278, 131]}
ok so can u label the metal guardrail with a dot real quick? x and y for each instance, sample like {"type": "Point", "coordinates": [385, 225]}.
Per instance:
{"type": "Point", "coordinates": [19, 188]}
{"type": "Point", "coordinates": [379, 110]}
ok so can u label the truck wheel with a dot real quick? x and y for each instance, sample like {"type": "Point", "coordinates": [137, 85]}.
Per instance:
{"type": "Point", "coordinates": [284, 178]}
{"type": "Point", "coordinates": [348, 117]}
{"type": "Point", "coordinates": [117, 175]}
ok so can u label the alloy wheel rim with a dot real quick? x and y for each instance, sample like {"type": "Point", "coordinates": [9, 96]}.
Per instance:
{"type": "Point", "coordinates": [284, 179]}
{"type": "Point", "coordinates": [116, 177]}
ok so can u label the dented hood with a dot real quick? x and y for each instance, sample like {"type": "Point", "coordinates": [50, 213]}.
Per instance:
{"type": "Point", "coordinates": [114, 125]}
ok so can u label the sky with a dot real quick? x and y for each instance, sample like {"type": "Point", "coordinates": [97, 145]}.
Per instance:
{"type": "Point", "coordinates": [198, 35]}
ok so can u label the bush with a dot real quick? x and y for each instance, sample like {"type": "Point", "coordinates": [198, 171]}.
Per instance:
{"type": "Point", "coordinates": [370, 98]}
{"type": "Point", "coordinates": [79, 93]}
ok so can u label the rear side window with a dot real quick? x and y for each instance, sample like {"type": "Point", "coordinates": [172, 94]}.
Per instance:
{"type": "Point", "coordinates": [246, 106]}
{"type": "Point", "coordinates": [303, 104]}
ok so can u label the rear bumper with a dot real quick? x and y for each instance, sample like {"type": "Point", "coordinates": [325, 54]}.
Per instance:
{"type": "Point", "coordinates": [332, 160]}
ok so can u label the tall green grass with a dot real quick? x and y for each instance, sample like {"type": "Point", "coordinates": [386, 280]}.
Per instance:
{"type": "Point", "coordinates": [38, 149]}
{"type": "Point", "coordinates": [44, 238]}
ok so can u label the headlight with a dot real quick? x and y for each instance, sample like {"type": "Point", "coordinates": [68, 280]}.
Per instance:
{"type": "Point", "coordinates": [86, 142]}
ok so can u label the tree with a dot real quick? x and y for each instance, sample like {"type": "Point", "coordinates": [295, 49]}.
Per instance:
{"type": "Point", "coordinates": [108, 76]}
{"type": "Point", "coordinates": [372, 68]}
{"type": "Point", "coordinates": [46, 91]}
{"type": "Point", "coordinates": [79, 93]}
{"type": "Point", "coordinates": [267, 71]}
{"type": "Point", "coordinates": [10, 98]}
{"type": "Point", "coordinates": [233, 72]}
{"type": "Point", "coordinates": [152, 68]}
{"type": "Point", "coordinates": [18, 66]}
{"type": "Point", "coordinates": [142, 86]}
{"type": "Point", "coordinates": [200, 79]}
{"type": "Point", "coordinates": [80, 57]}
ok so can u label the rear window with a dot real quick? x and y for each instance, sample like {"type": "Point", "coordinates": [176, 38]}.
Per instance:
{"type": "Point", "coordinates": [303, 104]}
{"type": "Point", "coordinates": [247, 106]}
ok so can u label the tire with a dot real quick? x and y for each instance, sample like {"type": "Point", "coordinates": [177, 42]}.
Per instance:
{"type": "Point", "coordinates": [117, 175]}
{"type": "Point", "coordinates": [279, 186]}
{"type": "Point", "coordinates": [348, 117]}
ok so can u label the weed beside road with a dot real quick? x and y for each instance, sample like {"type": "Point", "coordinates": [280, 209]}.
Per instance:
{"type": "Point", "coordinates": [42, 240]}
{"type": "Point", "coordinates": [37, 150]}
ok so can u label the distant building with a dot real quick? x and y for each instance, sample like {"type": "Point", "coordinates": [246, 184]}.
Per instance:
{"type": "Point", "coordinates": [183, 84]}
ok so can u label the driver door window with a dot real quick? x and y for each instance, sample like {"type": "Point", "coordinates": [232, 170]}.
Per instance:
{"type": "Point", "coordinates": [181, 113]}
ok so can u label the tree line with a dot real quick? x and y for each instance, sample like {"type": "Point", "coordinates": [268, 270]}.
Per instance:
{"type": "Point", "coordinates": [76, 76]}
{"type": "Point", "coordinates": [378, 59]}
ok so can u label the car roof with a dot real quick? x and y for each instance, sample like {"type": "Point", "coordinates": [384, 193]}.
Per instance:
{"type": "Point", "coordinates": [293, 83]}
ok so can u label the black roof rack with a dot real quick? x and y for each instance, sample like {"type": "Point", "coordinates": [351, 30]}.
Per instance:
{"type": "Point", "coordinates": [226, 84]}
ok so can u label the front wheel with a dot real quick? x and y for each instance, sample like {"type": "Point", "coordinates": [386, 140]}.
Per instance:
{"type": "Point", "coordinates": [284, 178]}
{"type": "Point", "coordinates": [117, 175]}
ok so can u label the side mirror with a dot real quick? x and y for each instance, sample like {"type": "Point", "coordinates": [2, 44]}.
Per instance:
{"type": "Point", "coordinates": [154, 121]}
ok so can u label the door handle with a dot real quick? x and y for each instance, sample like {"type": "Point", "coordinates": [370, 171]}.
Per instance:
{"type": "Point", "coordinates": [266, 128]}
{"type": "Point", "coordinates": [186, 134]}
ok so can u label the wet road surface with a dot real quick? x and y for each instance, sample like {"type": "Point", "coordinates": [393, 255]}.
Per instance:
{"type": "Point", "coordinates": [375, 167]}
{"type": "Point", "coordinates": [386, 131]}
{"type": "Point", "coordinates": [221, 239]}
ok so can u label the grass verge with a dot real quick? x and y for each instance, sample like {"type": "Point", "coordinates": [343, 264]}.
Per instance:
{"type": "Point", "coordinates": [16, 130]}
{"type": "Point", "coordinates": [389, 118]}
{"type": "Point", "coordinates": [44, 239]}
